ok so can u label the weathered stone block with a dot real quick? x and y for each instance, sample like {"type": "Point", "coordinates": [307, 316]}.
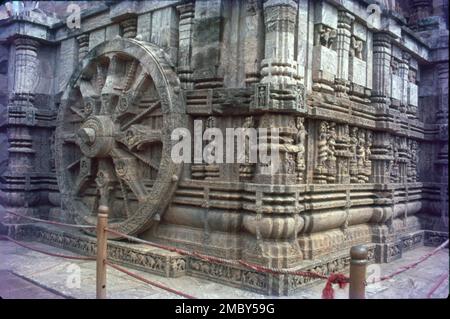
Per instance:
{"type": "Point", "coordinates": [413, 98]}
{"type": "Point", "coordinates": [396, 87]}
{"type": "Point", "coordinates": [358, 69]}
{"type": "Point", "coordinates": [326, 14]}
{"type": "Point", "coordinates": [324, 64]}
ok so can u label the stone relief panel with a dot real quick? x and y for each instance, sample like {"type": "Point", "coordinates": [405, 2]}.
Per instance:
{"type": "Point", "coordinates": [324, 47]}
{"type": "Point", "coordinates": [360, 68]}
{"type": "Point", "coordinates": [343, 154]}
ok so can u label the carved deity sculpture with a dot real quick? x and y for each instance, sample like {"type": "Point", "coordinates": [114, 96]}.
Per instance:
{"type": "Point", "coordinates": [394, 67]}
{"type": "Point", "coordinates": [248, 123]}
{"type": "Point", "coordinates": [245, 167]}
{"type": "Point", "coordinates": [356, 48]}
{"type": "Point", "coordinates": [211, 123]}
{"type": "Point", "coordinates": [412, 165]}
{"type": "Point", "coordinates": [323, 147]}
{"type": "Point", "coordinates": [393, 165]}
{"type": "Point", "coordinates": [300, 141]}
{"type": "Point", "coordinates": [368, 152]}
{"type": "Point", "coordinates": [331, 160]}
{"type": "Point", "coordinates": [361, 156]}
{"type": "Point", "coordinates": [325, 36]}
{"type": "Point", "coordinates": [353, 152]}
{"type": "Point", "coordinates": [412, 76]}
{"type": "Point", "coordinates": [323, 152]}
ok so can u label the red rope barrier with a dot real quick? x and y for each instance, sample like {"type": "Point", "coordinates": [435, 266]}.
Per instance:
{"type": "Point", "coordinates": [149, 281]}
{"type": "Point", "coordinates": [441, 280]}
{"type": "Point", "coordinates": [46, 252]}
{"type": "Point", "coordinates": [47, 221]}
{"type": "Point", "coordinates": [328, 291]}
{"type": "Point", "coordinates": [412, 265]}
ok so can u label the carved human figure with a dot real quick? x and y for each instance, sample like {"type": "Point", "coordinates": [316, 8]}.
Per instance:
{"type": "Point", "coordinates": [325, 36]}
{"type": "Point", "coordinates": [353, 152]}
{"type": "Point", "coordinates": [412, 76]}
{"type": "Point", "coordinates": [368, 153]}
{"type": "Point", "coordinates": [331, 160]}
{"type": "Point", "coordinates": [248, 123]}
{"type": "Point", "coordinates": [211, 123]}
{"type": "Point", "coordinates": [394, 67]}
{"type": "Point", "coordinates": [331, 141]}
{"type": "Point", "coordinates": [356, 48]}
{"type": "Point", "coordinates": [300, 141]}
{"type": "Point", "coordinates": [412, 169]}
{"type": "Point", "coordinates": [323, 147]}
{"type": "Point", "coordinates": [393, 167]}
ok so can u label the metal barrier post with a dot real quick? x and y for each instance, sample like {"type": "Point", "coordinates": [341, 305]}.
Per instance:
{"type": "Point", "coordinates": [358, 263]}
{"type": "Point", "coordinates": [102, 223]}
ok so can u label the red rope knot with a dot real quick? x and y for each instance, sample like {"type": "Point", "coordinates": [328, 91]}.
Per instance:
{"type": "Point", "coordinates": [340, 279]}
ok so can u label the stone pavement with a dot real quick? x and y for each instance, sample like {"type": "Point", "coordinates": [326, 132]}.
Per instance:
{"type": "Point", "coordinates": [76, 279]}
{"type": "Point", "coordinates": [15, 287]}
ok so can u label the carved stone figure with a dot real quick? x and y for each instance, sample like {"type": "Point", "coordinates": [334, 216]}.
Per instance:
{"type": "Point", "coordinates": [331, 158]}
{"type": "Point", "coordinates": [356, 48]}
{"type": "Point", "coordinates": [300, 141]}
{"type": "Point", "coordinates": [323, 153]}
{"type": "Point", "coordinates": [246, 168]}
{"type": "Point", "coordinates": [325, 36]}
{"type": "Point", "coordinates": [354, 146]}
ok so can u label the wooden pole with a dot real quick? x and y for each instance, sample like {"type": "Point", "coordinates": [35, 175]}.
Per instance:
{"type": "Point", "coordinates": [358, 263]}
{"type": "Point", "coordinates": [102, 223]}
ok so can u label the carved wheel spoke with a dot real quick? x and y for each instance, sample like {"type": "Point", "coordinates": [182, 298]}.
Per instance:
{"type": "Point", "coordinates": [138, 136]}
{"type": "Point", "coordinates": [126, 169]}
{"type": "Point", "coordinates": [84, 176]}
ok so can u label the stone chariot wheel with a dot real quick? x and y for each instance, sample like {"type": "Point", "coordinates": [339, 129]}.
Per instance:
{"type": "Point", "coordinates": [113, 136]}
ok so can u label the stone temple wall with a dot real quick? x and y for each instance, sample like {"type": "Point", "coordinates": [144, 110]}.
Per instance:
{"type": "Point", "coordinates": [357, 89]}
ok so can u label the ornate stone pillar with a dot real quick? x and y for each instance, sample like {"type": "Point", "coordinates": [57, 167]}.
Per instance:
{"type": "Point", "coordinates": [381, 156]}
{"type": "Point", "coordinates": [25, 74]}
{"type": "Point", "coordinates": [342, 154]}
{"type": "Point", "coordinates": [381, 70]}
{"type": "Point", "coordinates": [403, 73]}
{"type": "Point", "coordinates": [279, 88]}
{"type": "Point", "coordinates": [21, 115]}
{"type": "Point", "coordinates": [83, 45]}
{"type": "Point", "coordinates": [128, 27]}
{"type": "Point", "coordinates": [206, 45]}
{"type": "Point", "coordinates": [253, 54]}
{"type": "Point", "coordinates": [442, 113]}
{"type": "Point", "coordinates": [442, 124]}
{"type": "Point", "coordinates": [345, 21]}
{"type": "Point", "coordinates": [420, 9]}
{"type": "Point", "coordinates": [186, 24]}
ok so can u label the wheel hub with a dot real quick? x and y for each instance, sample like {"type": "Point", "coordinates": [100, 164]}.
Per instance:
{"type": "Point", "coordinates": [96, 136]}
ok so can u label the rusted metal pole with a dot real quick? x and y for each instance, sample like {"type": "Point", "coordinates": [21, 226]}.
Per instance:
{"type": "Point", "coordinates": [102, 223]}
{"type": "Point", "coordinates": [358, 263]}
